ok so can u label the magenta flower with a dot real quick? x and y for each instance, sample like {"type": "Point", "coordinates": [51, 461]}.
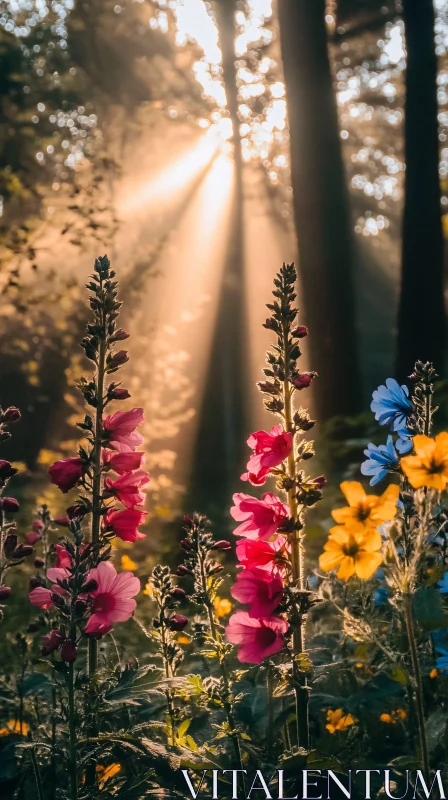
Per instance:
{"type": "Point", "coordinates": [32, 537]}
{"type": "Point", "coordinates": [258, 638]}
{"type": "Point", "coordinates": [66, 473]}
{"type": "Point", "coordinates": [302, 380]}
{"type": "Point", "coordinates": [51, 642]}
{"type": "Point", "coordinates": [37, 526]}
{"type": "Point", "coordinates": [63, 557]}
{"type": "Point", "coordinates": [113, 600]}
{"type": "Point", "coordinates": [128, 487]}
{"type": "Point", "coordinates": [270, 449]}
{"type": "Point", "coordinates": [123, 462]}
{"type": "Point", "coordinates": [264, 555]}
{"type": "Point", "coordinates": [124, 524]}
{"type": "Point", "coordinates": [260, 519]}
{"type": "Point", "coordinates": [120, 429]}
{"type": "Point", "coordinates": [260, 589]}
{"type": "Point", "coordinates": [42, 597]}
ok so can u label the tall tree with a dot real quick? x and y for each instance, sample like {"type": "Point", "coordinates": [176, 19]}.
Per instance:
{"type": "Point", "coordinates": [421, 318]}
{"type": "Point", "coordinates": [321, 206]}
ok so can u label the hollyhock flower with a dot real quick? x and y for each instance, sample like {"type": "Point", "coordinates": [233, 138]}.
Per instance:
{"type": "Point", "coordinates": [256, 478]}
{"type": "Point", "coordinates": [300, 332]}
{"type": "Point", "coordinates": [37, 526]}
{"type": "Point", "coordinates": [42, 597]}
{"type": "Point", "coordinates": [68, 651]}
{"type": "Point", "coordinates": [124, 524]}
{"type": "Point", "coordinates": [117, 360]}
{"type": "Point", "coordinates": [66, 473]}
{"type": "Point", "coordinates": [391, 404]}
{"type": "Point", "coordinates": [120, 429]}
{"type": "Point", "coordinates": [264, 555]}
{"type": "Point", "coordinates": [63, 557]}
{"type": "Point", "coordinates": [260, 589]}
{"type": "Point", "coordinates": [56, 574]}
{"type": "Point", "coordinates": [260, 519]}
{"type": "Point", "coordinates": [380, 461]}
{"type": "Point", "coordinates": [270, 449]}
{"type": "Point", "coordinates": [177, 622]}
{"type": "Point", "coordinates": [5, 591]}
{"type": "Point", "coordinates": [63, 522]}
{"type": "Point", "coordinates": [366, 512]}
{"type": "Point", "coordinates": [123, 462]}
{"type": "Point", "coordinates": [113, 600]}
{"type": "Point", "coordinates": [354, 553]}
{"type": "Point", "coordinates": [127, 488]}
{"type": "Point", "coordinates": [429, 467]}
{"type": "Point", "coordinates": [258, 638]}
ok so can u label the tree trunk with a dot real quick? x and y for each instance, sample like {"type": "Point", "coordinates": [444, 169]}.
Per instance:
{"type": "Point", "coordinates": [321, 207]}
{"type": "Point", "coordinates": [421, 318]}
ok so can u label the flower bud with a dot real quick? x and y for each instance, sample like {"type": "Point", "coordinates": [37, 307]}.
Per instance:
{"type": "Point", "coordinates": [10, 544]}
{"type": "Point", "coordinates": [38, 562]}
{"type": "Point", "coordinates": [37, 526]}
{"type": "Point", "coordinates": [6, 470]}
{"type": "Point", "coordinates": [76, 511]}
{"type": "Point", "coordinates": [22, 551]}
{"type": "Point", "coordinates": [117, 360]}
{"type": "Point", "coordinates": [216, 569]}
{"type": "Point", "coordinates": [119, 394]}
{"type": "Point", "coordinates": [90, 586]}
{"type": "Point", "coordinates": [222, 544]}
{"type": "Point", "coordinates": [272, 325]}
{"type": "Point", "coordinates": [12, 414]}
{"type": "Point", "coordinates": [177, 622]}
{"type": "Point", "coordinates": [32, 537]}
{"type": "Point", "coordinates": [68, 651]}
{"type": "Point", "coordinates": [186, 544]}
{"type": "Point", "coordinates": [300, 332]}
{"type": "Point", "coordinates": [9, 504]}
{"type": "Point", "coordinates": [34, 582]}
{"type": "Point", "coordinates": [63, 522]}
{"type": "Point", "coordinates": [51, 642]}
{"type": "Point", "coordinates": [5, 591]}
{"type": "Point", "coordinates": [320, 481]}
{"type": "Point", "coordinates": [182, 570]}
{"type": "Point", "coordinates": [301, 380]}
{"type": "Point", "coordinates": [178, 593]}
{"type": "Point", "coordinates": [80, 607]}
{"type": "Point", "coordinates": [119, 336]}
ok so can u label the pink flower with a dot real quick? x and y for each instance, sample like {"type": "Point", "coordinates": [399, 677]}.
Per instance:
{"type": "Point", "coordinates": [63, 557]}
{"type": "Point", "coordinates": [66, 473]}
{"type": "Point", "coordinates": [302, 380]}
{"type": "Point", "coordinates": [37, 526]}
{"type": "Point", "coordinates": [42, 597]}
{"type": "Point", "coordinates": [127, 488]}
{"type": "Point", "coordinates": [260, 589]}
{"type": "Point", "coordinates": [264, 555]}
{"type": "Point", "coordinates": [124, 523]}
{"type": "Point", "coordinates": [32, 537]}
{"type": "Point", "coordinates": [123, 462]}
{"type": "Point", "coordinates": [120, 429]}
{"type": "Point", "coordinates": [270, 449]}
{"type": "Point", "coordinates": [112, 600]}
{"type": "Point", "coordinates": [258, 638]}
{"type": "Point", "coordinates": [56, 574]}
{"type": "Point", "coordinates": [260, 518]}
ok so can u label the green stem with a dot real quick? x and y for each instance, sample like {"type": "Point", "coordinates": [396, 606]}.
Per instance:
{"type": "Point", "coordinates": [72, 735]}
{"type": "Point", "coordinates": [223, 667]}
{"type": "Point", "coordinates": [297, 557]}
{"type": "Point", "coordinates": [169, 699]}
{"type": "Point", "coordinates": [418, 687]}
{"type": "Point", "coordinates": [270, 728]}
{"type": "Point", "coordinates": [40, 791]}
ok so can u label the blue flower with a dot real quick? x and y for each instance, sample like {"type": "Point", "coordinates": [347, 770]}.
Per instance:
{"type": "Point", "coordinates": [443, 584]}
{"type": "Point", "coordinates": [380, 596]}
{"type": "Point", "coordinates": [442, 661]}
{"type": "Point", "coordinates": [404, 442]}
{"type": "Point", "coordinates": [381, 460]}
{"type": "Point", "coordinates": [391, 404]}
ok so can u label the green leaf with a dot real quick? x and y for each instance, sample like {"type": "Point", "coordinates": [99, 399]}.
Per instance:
{"type": "Point", "coordinates": [398, 674]}
{"type": "Point", "coordinates": [318, 760]}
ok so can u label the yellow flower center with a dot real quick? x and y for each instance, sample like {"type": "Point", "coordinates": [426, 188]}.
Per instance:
{"type": "Point", "coordinates": [434, 467]}
{"type": "Point", "coordinates": [350, 549]}
{"type": "Point", "coordinates": [363, 512]}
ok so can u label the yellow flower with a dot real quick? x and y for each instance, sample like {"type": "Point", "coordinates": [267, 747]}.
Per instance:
{"type": "Point", "coordinates": [393, 717]}
{"type": "Point", "coordinates": [222, 606]}
{"type": "Point", "coordinates": [104, 774]}
{"type": "Point", "coordinates": [183, 639]}
{"type": "Point", "coordinates": [128, 563]}
{"type": "Point", "coordinates": [365, 512]}
{"type": "Point", "coordinates": [429, 467]}
{"type": "Point", "coordinates": [354, 553]}
{"type": "Point", "coordinates": [338, 721]}
{"type": "Point", "coordinates": [433, 673]}
{"type": "Point", "coordinates": [13, 726]}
